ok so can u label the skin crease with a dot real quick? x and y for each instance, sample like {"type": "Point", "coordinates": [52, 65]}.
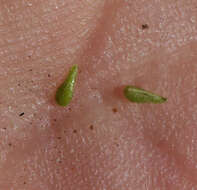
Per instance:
{"type": "Point", "coordinates": [100, 141]}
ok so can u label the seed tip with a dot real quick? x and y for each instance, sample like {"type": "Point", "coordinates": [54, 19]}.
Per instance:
{"type": "Point", "coordinates": [164, 99]}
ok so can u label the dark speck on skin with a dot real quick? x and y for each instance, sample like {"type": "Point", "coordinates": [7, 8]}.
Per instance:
{"type": "Point", "coordinates": [30, 69]}
{"type": "Point", "coordinates": [49, 75]}
{"type": "Point", "coordinates": [58, 137]}
{"type": "Point", "coordinates": [21, 114]}
{"type": "Point", "coordinates": [117, 144]}
{"type": "Point", "coordinates": [24, 183]}
{"type": "Point", "coordinates": [91, 127]}
{"type": "Point", "coordinates": [145, 26]}
{"type": "Point", "coordinates": [10, 144]}
{"type": "Point", "coordinates": [74, 131]}
{"type": "Point", "coordinates": [114, 110]}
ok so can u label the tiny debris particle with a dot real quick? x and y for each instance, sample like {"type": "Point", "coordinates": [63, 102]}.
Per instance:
{"type": "Point", "coordinates": [145, 26]}
{"type": "Point", "coordinates": [49, 75]}
{"type": "Point", "coordinates": [24, 183]}
{"type": "Point", "coordinates": [30, 69]}
{"type": "Point", "coordinates": [117, 144]}
{"type": "Point", "coordinates": [91, 127]}
{"type": "Point", "coordinates": [55, 120]}
{"type": "Point", "coordinates": [4, 128]}
{"type": "Point", "coordinates": [10, 144]}
{"type": "Point", "coordinates": [21, 114]}
{"type": "Point", "coordinates": [115, 110]}
{"type": "Point", "coordinates": [19, 84]}
{"type": "Point", "coordinates": [74, 131]}
{"type": "Point", "coordinates": [59, 137]}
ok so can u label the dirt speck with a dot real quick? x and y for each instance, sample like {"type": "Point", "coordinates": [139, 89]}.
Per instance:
{"type": "Point", "coordinates": [21, 114]}
{"type": "Point", "coordinates": [74, 131]}
{"type": "Point", "coordinates": [117, 144]}
{"type": "Point", "coordinates": [4, 128]}
{"type": "Point", "coordinates": [49, 75]}
{"type": "Point", "coordinates": [24, 183]}
{"type": "Point", "coordinates": [59, 138]}
{"type": "Point", "coordinates": [145, 26]}
{"type": "Point", "coordinates": [115, 110]}
{"type": "Point", "coordinates": [91, 127]}
{"type": "Point", "coordinates": [10, 144]}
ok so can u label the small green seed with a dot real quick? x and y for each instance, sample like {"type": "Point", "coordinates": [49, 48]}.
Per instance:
{"type": "Point", "coordinates": [139, 95]}
{"type": "Point", "coordinates": [64, 93]}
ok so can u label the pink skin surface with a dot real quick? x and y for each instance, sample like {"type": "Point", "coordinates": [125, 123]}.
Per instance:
{"type": "Point", "coordinates": [100, 141]}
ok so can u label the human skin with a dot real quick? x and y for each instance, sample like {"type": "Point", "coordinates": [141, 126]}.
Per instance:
{"type": "Point", "coordinates": [100, 141]}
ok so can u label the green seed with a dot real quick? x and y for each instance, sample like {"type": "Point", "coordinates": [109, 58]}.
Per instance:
{"type": "Point", "coordinates": [139, 95]}
{"type": "Point", "coordinates": [65, 91]}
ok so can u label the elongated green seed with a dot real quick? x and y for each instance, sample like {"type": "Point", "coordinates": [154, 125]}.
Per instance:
{"type": "Point", "coordinates": [139, 95]}
{"type": "Point", "coordinates": [65, 91]}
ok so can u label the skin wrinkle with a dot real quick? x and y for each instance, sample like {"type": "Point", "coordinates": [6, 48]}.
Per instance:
{"type": "Point", "coordinates": [174, 156]}
{"type": "Point", "coordinates": [96, 40]}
